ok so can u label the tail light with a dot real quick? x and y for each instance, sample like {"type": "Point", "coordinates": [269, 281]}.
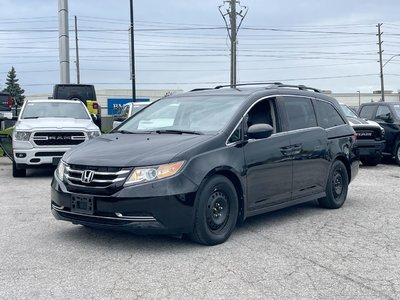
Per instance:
{"type": "Point", "coordinates": [355, 136]}
{"type": "Point", "coordinates": [95, 106]}
{"type": "Point", "coordinates": [9, 102]}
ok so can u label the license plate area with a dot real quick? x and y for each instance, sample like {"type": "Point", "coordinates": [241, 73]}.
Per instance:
{"type": "Point", "coordinates": [82, 204]}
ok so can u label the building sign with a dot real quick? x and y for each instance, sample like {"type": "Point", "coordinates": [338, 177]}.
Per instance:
{"type": "Point", "coordinates": [114, 105]}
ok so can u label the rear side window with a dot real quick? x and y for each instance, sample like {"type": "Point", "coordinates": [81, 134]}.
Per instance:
{"type": "Point", "coordinates": [327, 115]}
{"type": "Point", "coordinates": [367, 111]}
{"type": "Point", "coordinates": [300, 113]}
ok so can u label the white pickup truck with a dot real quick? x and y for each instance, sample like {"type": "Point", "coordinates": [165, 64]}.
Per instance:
{"type": "Point", "coordinates": [46, 129]}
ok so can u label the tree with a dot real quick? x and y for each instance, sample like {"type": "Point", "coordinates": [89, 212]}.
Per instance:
{"type": "Point", "coordinates": [13, 88]}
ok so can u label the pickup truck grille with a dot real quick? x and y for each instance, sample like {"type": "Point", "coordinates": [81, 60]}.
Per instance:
{"type": "Point", "coordinates": [66, 138]}
{"type": "Point", "coordinates": [95, 180]}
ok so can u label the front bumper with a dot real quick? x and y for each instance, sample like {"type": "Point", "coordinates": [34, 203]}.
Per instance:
{"type": "Point", "coordinates": [39, 156]}
{"type": "Point", "coordinates": [130, 210]}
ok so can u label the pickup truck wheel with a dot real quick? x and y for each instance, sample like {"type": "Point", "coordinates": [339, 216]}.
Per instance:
{"type": "Point", "coordinates": [370, 160]}
{"type": "Point", "coordinates": [397, 153]}
{"type": "Point", "coordinates": [216, 211]}
{"type": "Point", "coordinates": [18, 172]}
{"type": "Point", "coordinates": [337, 186]}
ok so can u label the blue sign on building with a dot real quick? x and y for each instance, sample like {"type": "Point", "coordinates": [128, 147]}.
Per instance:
{"type": "Point", "coordinates": [114, 105]}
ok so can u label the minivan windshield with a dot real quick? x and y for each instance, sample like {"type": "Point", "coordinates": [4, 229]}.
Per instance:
{"type": "Point", "coordinates": [191, 114]}
{"type": "Point", "coordinates": [54, 109]}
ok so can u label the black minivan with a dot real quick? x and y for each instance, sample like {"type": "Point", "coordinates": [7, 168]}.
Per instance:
{"type": "Point", "coordinates": [200, 162]}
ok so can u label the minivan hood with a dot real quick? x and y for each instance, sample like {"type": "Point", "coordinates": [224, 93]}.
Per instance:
{"type": "Point", "coordinates": [55, 124]}
{"type": "Point", "coordinates": [128, 150]}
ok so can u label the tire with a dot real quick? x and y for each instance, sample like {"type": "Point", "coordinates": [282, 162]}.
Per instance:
{"type": "Point", "coordinates": [370, 160]}
{"type": "Point", "coordinates": [337, 186]}
{"type": "Point", "coordinates": [18, 172]}
{"type": "Point", "coordinates": [216, 211]}
{"type": "Point", "coordinates": [397, 153]}
{"type": "Point", "coordinates": [77, 97]}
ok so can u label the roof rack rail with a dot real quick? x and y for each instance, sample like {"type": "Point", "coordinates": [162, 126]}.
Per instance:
{"type": "Point", "coordinates": [200, 89]}
{"type": "Point", "coordinates": [300, 87]}
{"type": "Point", "coordinates": [247, 84]}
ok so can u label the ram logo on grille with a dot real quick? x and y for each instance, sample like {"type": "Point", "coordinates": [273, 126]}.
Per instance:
{"type": "Point", "coordinates": [87, 176]}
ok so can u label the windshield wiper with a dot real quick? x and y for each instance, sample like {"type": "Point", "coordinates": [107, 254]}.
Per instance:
{"type": "Point", "coordinates": [125, 131]}
{"type": "Point", "coordinates": [178, 131]}
{"type": "Point", "coordinates": [30, 118]}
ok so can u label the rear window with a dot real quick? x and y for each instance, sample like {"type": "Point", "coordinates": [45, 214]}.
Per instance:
{"type": "Point", "coordinates": [82, 92]}
{"type": "Point", "coordinates": [327, 115]}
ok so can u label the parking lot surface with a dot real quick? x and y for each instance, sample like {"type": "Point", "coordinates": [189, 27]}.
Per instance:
{"type": "Point", "coordinates": [303, 252]}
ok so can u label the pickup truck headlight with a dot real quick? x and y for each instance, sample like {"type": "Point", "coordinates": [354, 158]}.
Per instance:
{"type": "Point", "coordinates": [146, 174]}
{"type": "Point", "coordinates": [22, 135]}
{"type": "Point", "coordinates": [93, 134]}
{"type": "Point", "coordinates": [61, 169]}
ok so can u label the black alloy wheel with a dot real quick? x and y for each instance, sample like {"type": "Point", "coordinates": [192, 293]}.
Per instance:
{"type": "Point", "coordinates": [397, 153]}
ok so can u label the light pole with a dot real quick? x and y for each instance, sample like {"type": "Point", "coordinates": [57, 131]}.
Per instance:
{"type": "Point", "coordinates": [382, 66]}
{"type": "Point", "coordinates": [132, 46]}
{"type": "Point", "coordinates": [359, 98]}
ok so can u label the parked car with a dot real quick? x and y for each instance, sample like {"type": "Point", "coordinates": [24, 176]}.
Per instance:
{"type": "Point", "coordinates": [46, 129]}
{"type": "Point", "coordinates": [387, 115]}
{"type": "Point", "coordinates": [5, 106]}
{"type": "Point", "coordinates": [83, 92]}
{"type": "Point", "coordinates": [128, 110]}
{"type": "Point", "coordinates": [200, 162]}
{"type": "Point", "coordinates": [370, 137]}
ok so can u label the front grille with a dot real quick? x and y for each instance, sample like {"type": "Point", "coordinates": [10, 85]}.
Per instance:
{"type": "Point", "coordinates": [65, 138]}
{"type": "Point", "coordinates": [103, 180]}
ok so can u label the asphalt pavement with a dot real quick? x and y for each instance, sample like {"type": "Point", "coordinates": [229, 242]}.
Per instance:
{"type": "Point", "coordinates": [303, 252]}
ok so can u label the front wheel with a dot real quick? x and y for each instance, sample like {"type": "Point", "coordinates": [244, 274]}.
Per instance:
{"type": "Point", "coordinates": [337, 186]}
{"type": "Point", "coordinates": [18, 172]}
{"type": "Point", "coordinates": [216, 211]}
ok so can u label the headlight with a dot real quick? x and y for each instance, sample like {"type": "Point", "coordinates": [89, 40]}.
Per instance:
{"type": "Point", "coordinates": [145, 174]}
{"type": "Point", "coordinates": [61, 169]}
{"type": "Point", "coordinates": [22, 135]}
{"type": "Point", "coordinates": [93, 134]}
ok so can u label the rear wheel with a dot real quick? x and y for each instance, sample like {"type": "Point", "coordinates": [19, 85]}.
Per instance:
{"type": "Point", "coordinates": [337, 186]}
{"type": "Point", "coordinates": [216, 211]}
{"type": "Point", "coordinates": [18, 171]}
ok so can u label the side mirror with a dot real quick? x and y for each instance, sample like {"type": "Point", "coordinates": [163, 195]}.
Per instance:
{"type": "Point", "coordinates": [94, 117]}
{"type": "Point", "coordinates": [259, 131]}
{"type": "Point", "coordinates": [387, 118]}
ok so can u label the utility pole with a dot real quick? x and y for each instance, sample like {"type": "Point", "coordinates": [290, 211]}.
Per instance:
{"type": "Point", "coordinates": [78, 76]}
{"type": "Point", "coordinates": [380, 60]}
{"type": "Point", "coordinates": [132, 48]}
{"type": "Point", "coordinates": [232, 29]}
{"type": "Point", "coordinates": [63, 40]}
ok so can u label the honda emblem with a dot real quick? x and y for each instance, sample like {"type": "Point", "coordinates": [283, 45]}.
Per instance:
{"type": "Point", "coordinates": [87, 176]}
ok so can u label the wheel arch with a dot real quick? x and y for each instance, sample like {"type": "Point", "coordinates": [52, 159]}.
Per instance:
{"type": "Point", "coordinates": [346, 164]}
{"type": "Point", "coordinates": [233, 177]}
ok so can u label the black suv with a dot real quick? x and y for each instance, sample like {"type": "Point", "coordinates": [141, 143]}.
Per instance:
{"type": "Point", "coordinates": [387, 115]}
{"type": "Point", "coordinates": [200, 162]}
{"type": "Point", "coordinates": [370, 137]}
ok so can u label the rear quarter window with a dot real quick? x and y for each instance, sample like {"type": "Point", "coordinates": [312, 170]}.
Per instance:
{"type": "Point", "coordinates": [327, 115]}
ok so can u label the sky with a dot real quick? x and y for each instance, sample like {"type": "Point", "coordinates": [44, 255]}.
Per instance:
{"type": "Point", "coordinates": [183, 44]}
